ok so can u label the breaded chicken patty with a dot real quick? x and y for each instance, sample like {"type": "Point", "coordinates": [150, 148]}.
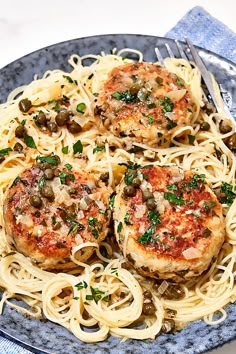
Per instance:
{"type": "Point", "coordinates": [168, 222]}
{"type": "Point", "coordinates": [51, 208]}
{"type": "Point", "coordinates": [146, 102]}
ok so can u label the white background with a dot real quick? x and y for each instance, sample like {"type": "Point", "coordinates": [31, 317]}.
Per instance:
{"type": "Point", "coordinates": [27, 25]}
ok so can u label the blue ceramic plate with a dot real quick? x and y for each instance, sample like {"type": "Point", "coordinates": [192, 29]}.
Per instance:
{"type": "Point", "coordinates": [48, 337]}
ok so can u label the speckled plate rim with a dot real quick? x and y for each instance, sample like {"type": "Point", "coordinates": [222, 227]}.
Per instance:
{"type": "Point", "coordinates": [195, 338]}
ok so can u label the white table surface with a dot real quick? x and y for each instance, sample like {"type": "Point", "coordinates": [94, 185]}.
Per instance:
{"type": "Point", "coordinates": [28, 25]}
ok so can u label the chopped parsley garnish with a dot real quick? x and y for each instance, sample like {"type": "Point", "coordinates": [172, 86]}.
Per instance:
{"type": "Point", "coordinates": [53, 218]}
{"type": "Point", "coordinates": [159, 134]}
{"type": "Point", "coordinates": [16, 180]}
{"type": "Point", "coordinates": [65, 150]}
{"type": "Point", "coordinates": [90, 76]}
{"type": "Point", "coordinates": [191, 139]}
{"type": "Point", "coordinates": [124, 96]}
{"type": "Point", "coordinates": [130, 165]}
{"type": "Point", "coordinates": [51, 160]}
{"type": "Point", "coordinates": [150, 118]}
{"type": "Point", "coordinates": [195, 180]}
{"type": "Point", "coordinates": [23, 122]}
{"type": "Point", "coordinates": [29, 141]}
{"type": "Point", "coordinates": [75, 226]}
{"type": "Point", "coordinates": [227, 189]}
{"type": "Point", "coordinates": [68, 78]}
{"type": "Point", "coordinates": [65, 98]}
{"type": "Point", "coordinates": [95, 233]}
{"type": "Point", "coordinates": [97, 295]}
{"type": "Point", "coordinates": [81, 107]}
{"type": "Point", "coordinates": [95, 94]}
{"type": "Point", "coordinates": [170, 124]}
{"type": "Point", "coordinates": [129, 178]}
{"type": "Point", "coordinates": [167, 104]}
{"type": "Point", "coordinates": [119, 227]}
{"type": "Point", "coordinates": [81, 285]}
{"type": "Point", "coordinates": [174, 199]}
{"type": "Point", "coordinates": [42, 182]}
{"type": "Point", "coordinates": [114, 271]}
{"type": "Point", "coordinates": [62, 176]}
{"type": "Point", "coordinates": [112, 201]}
{"type": "Point", "coordinates": [5, 151]}
{"type": "Point", "coordinates": [68, 166]}
{"type": "Point", "coordinates": [208, 204]}
{"type": "Point", "coordinates": [172, 187]}
{"type": "Point", "coordinates": [92, 221]}
{"type": "Point", "coordinates": [126, 219]}
{"type": "Point", "coordinates": [179, 81]}
{"type": "Point", "coordinates": [77, 147]}
{"type": "Point", "coordinates": [154, 217]}
{"type": "Point", "coordinates": [152, 105]}
{"type": "Point", "coordinates": [98, 148]}
{"type": "Point", "coordinates": [147, 236]}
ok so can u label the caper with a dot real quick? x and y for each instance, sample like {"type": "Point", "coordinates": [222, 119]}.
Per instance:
{"type": "Point", "coordinates": [43, 165]}
{"type": "Point", "coordinates": [62, 118]}
{"type": "Point", "coordinates": [174, 292]}
{"type": "Point", "coordinates": [136, 182]}
{"type": "Point", "coordinates": [220, 195]}
{"type": "Point", "coordinates": [18, 147]}
{"type": "Point", "coordinates": [20, 131]}
{"type": "Point", "coordinates": [35, 201]}
{"type": "Point", "coordinates": [151, 204]}
{"type": "Point", "coordinates": [147, 294]}
{"type": "Point", "coordinates": [224, 127]}
{"type": "Point", "coordinates": [205, 126]}
{"type": "Point", "coordinates": [63, 215]}
{"type": "Point", "coordinates": [149, 309]}
{"type": "Point", "coordinates": [47, 192]}
{"type": "Point", "coordinates": [74, 127]}
{"type": "Point", "coordinates": [104, 177]}
{"type": "Point", "coordinates": [168, 326]}
{"type": "Point", "coordinates": [134, 89]}
{"type": "Point", "coordinates": [147, 195]}
{"type": "Point", "coordinates": [52, 127]}
{"type": "Point", "coordinates": [41, 119]}
{"type": "Point", "coordinates": [25, 105]}
{"type": "Point", "coordinates": [129, 191]}
{"type": "Point", "coordinates": [231, 142]}
{"type": "Point", "coordinates": [57, 225]}
{"type": "Point", "coordinates": [48, 173]}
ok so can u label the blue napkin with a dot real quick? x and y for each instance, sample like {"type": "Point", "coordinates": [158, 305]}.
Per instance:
{"type": "Point", "coordinates": [207, 32]}
{"type": "Point", "coordinates": [203, 30]}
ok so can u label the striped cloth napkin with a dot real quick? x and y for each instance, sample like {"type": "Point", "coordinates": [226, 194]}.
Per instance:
{"type": "Point", "coordinates": [203, 30]}
{"type": "Point", "coordinates": [206, 32]}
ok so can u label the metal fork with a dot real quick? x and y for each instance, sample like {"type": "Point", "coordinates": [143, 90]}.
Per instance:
{"type": "Point", "coordinates": [206, 76]}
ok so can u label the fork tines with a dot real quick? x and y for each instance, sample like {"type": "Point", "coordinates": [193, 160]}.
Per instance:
{"type": "Point", "coordinates": [206, 76]}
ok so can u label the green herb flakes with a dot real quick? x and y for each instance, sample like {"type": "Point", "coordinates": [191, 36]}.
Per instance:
{"type": "Point", "coordinates": [65, 150]}
{"type": "Point", "coordinates": [174, 199]}
{"type": "Point", "coordinates": [51, 160]}
{"type": "Point", "coordinates": [77, 147]}
{"type": "Point", "coordinates": [29, 141]}
{"type": "Point", "coordinates": [5, 151]}
{"type": "Point", "coordinates": [98, 148]}
{"type": "Point", "coordinates": [119, 227]}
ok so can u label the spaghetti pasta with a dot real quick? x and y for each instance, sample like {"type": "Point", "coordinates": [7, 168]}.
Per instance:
{"type": "Point", "coordinates": [106, 294]}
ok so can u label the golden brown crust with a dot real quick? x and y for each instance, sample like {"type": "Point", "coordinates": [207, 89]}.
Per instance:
{"type": "Point", "coordinates": [48, 233]}
{"type": "Point", "coordinates": [146, 102]}
{"type": "Point", "coordinates": [179, 238]}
